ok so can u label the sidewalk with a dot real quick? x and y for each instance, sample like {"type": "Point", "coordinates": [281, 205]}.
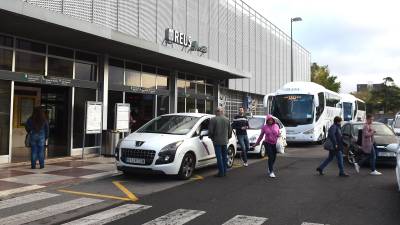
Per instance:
{"type": "Point", "coordinates": [18, 178]}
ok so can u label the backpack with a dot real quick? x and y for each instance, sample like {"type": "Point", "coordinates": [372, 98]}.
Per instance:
{"type": "Point", "coordinates": [360, 137]}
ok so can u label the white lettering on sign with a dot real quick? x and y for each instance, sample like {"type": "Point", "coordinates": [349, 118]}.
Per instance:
{"type": "Point", "coordinates": [173, 36]}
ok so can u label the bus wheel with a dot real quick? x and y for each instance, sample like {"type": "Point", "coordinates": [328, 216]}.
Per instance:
{"type": "Point", "coordinates": [322, 138]}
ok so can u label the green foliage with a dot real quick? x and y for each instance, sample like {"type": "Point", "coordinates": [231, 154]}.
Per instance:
{"type": "Point", "coordinates": [386, 99]}
{"type": "Point", "coordinates": [321, 75]}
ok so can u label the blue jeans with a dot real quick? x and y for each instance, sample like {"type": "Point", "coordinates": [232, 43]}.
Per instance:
{"type": "Point", "coordinates": [332, 155]}
{"type": "Point", "coordinates": [221, 152]}
{"type": "Point", "coordinates": [37, 150]}
{"type": "Point", "coordinates": [271, 152]}
{"type": "Point", "coordinates": [371, 157]}
{"type": "Point", "coordinates": [244, 146]}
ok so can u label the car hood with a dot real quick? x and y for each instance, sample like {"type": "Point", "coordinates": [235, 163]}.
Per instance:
{"type": "Point", "coordinates": [385, 140]}
{"type": "Point", "coordinates": [150, 141]}
{"type": "Point", "coordinates": [251, 133]}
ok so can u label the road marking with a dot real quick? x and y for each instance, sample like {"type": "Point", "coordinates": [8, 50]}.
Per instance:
{"type": "Point", "coordinates": [20, 190]}
{"type": "Point", "coordinates": [305, 223]}
{"type": "Point", "coordinates": [48, 211]}
{"type": "Point", "coordinates": [177, 217]}
{"type": "Point", "coordinates": [95, 195]}
{"type": "Point", "coordinates": [25, 199]}
{"type": "Point", "coordinates": [109, 215]}
{"type": "Point", "coordinates": [197, 177]}
{"type": "Point", "coordinates": [97, 175]}
{"type": "Point", "coordinates": [129, 194]}
{"type": "Point", "coordinates": [246, 220]}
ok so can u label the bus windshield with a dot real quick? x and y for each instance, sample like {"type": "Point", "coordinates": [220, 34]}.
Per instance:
{"type": "Point", "coordinates": [347, 111]}
{"type": "Point", "coordinates": [294, 110]}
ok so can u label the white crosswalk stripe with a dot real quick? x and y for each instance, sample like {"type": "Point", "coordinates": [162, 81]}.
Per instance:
{"type": "Point", "coordinates": [246, 220]}
{"type": "Point", "coordinates": [25, 199]}
{"type": "Point", "coordinates": [20, 190]}
{"type": "Point", "coordinates": [305, 223]}
{"type": "Point", "coordinates": [109, 215]}
{"type": "Point", "coordinates": [48, 211]}
{"type": "Point", "coordinates": [177, 217]}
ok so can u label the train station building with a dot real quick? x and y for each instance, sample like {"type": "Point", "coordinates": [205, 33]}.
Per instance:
{"type": "Point", "coordinates": [160, 56]}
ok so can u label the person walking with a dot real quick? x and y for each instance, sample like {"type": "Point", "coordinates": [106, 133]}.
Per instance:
{"type": "Point", "coordinates": [220, 131]}
{"type": "Point", "coordinates": [37, 127]}
{"type": "Point", "coordinates": [336, 147]}
{"type": "Point", "coordinates": [368, 147]}
{"type": "Point", "coordinates": [241, 124]}
{"type": "Point", "coordinates": [270, 132]}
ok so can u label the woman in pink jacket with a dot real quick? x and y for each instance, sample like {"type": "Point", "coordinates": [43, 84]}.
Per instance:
{"type": "Point", "coordinates": [368, 147]}
{"type": "Point", "coordinates": [270, 132]}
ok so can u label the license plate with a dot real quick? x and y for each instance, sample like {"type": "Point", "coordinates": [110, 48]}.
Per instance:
{"type": "Point", "coordinates": [386, 154]}
{"type": "Point", "coordinates": [136, 161]}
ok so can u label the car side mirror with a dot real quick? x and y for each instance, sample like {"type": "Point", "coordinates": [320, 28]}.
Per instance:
{"type": "Point", "coordinates": [203, 133]}
{"type": "Point", "coordinates": [393, 148]}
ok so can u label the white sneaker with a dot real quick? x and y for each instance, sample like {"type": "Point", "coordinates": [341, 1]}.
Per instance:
{"type": "Point", "coordinates": [272, 175]}
{"type": "Point", "coordinates": [245, 164]}
{"type": "Point", "coordinates": [357, 167]}
{"type": "Point", "coordinates": [375, 173]}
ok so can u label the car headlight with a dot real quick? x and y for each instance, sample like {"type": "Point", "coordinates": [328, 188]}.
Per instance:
{"type": "Point", "coordinates": [167, 153]}
{"type": "Point", "coordinates": [309, 131]}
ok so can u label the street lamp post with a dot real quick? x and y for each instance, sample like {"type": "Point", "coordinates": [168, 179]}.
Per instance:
{"type": "Point", "coordinates": [296, 19]}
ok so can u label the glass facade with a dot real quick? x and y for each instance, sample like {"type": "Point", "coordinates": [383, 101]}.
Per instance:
{"type": "Point", "coordinates": [29, 63]}
{"type": "Point", "coordinates": [5, 97]}
{"type": "Point", "coordinates": [81, 96]}
{"type": "Point", "coordinates": [6, 56]}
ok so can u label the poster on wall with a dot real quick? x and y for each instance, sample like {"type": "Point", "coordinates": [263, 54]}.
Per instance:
{"type": "Point", "coordinates": [122, 117]}
{"type": "Point", "coordinates": [94, 114]}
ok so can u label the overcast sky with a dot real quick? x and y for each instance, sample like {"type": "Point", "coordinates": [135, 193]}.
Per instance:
{"type": "Point", "coordinates": [359, 40]}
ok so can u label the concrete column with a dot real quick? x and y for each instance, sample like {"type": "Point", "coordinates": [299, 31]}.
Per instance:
{"type": "Point", "coordinates": [173, 98]}
{"type": "Point", "coordinates": [103, 90]}
{"type": "Point", "coordinates": [217, 94]}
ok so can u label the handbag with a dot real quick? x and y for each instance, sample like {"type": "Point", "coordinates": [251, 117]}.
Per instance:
{"type": "Point", "coordinates": [280, 146]}
{"type": "Point", "coordinates": [27, 140]}
{"type": "Point", "coordinates": [328, 145]}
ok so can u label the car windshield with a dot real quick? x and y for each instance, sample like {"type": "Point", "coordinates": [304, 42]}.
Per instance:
{"type": "Point", "coordinates": [380, 129]}
{"type": "Point", "coordinates": [294, 110]}
{"type": "Point", "coordinates": [396, 123]}
{"type": "Point", "coordinates": [173, 124]}
{"type": "Point", "coordinates": [256, 123]}
{"type": "Point", "coordinates": [347, 111]}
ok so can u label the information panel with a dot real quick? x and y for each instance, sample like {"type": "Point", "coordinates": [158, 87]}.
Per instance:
{"type": "Point", "coordinates": [122, 115]}
{"type": "Point", "coordinates": [94, 114]}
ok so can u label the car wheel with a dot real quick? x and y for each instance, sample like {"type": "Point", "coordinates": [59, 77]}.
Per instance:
{"type": "Point", "coordinates": [187, 166]}
{"type": "Point", "coordinates": [262, 152]}
{"type": "Point", "coordinates": [351, 157]}
{"type": "Point", "coordinates": [231, 156]}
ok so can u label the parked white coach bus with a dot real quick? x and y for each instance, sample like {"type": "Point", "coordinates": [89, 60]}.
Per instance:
{"type": "Point", "coordinates": [306, 109]}
{"type": "Point", "coordinates": [353, 109]}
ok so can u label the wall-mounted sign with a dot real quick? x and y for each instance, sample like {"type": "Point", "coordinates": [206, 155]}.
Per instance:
{"type": "Point", "coordinates": [175, 37]}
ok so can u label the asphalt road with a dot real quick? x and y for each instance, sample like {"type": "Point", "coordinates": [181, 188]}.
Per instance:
{"type": "Point", "coordinates": [297, 197]}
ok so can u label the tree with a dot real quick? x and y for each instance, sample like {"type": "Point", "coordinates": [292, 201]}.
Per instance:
{"type": "Point", "coordinates": [321, 75]}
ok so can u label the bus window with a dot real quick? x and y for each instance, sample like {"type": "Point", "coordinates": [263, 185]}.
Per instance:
{"type": "Point", "coordinates": [321, 105]}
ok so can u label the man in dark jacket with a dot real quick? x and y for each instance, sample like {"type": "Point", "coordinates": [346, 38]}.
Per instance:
{"type": "Point", "coordinates": [241, 124]}
{"type": "Point", "coordinates": [335, 137]}
{"type": "Point", "coordinates": [220, 131]}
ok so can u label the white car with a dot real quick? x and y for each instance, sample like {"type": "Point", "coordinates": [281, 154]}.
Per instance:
{"type": "Point", "coordinates": [396, 148]}
{"type": "Point", "coordinates": [254, 131]}
{"type": "Point", "coordinates": [173, 144]}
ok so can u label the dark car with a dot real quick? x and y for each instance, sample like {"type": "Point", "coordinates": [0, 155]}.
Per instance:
{"type": "Point", "coordinates": [383, 136]}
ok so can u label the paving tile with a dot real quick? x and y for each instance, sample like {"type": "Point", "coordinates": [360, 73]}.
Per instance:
{"type": "Point", "coordinates": [6, 185]}
{"type": "Point", "coordinates": [75, 172]}
{"type": "Point", "coordinates": [74, 163]}
{"type": "Point", "coordinates": [46, 169]}
{"type": "Point", "coordinates": [38, 178]}
{"type": "Point", "coordinates": [6, 173]}
{"type": "Point", "coordinates": [103, 167]}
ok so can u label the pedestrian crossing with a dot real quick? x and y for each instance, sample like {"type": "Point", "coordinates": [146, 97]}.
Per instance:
{"type": "Point", "coordinates": [175, 217]}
